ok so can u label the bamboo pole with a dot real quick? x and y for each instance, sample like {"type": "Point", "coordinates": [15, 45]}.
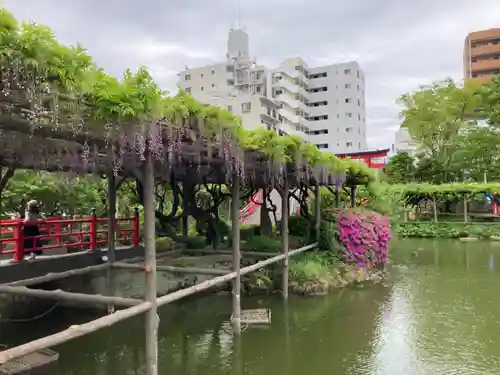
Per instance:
{"type": "Point", "coordinates": [318, 212]}
{"type": "Point", "coordinates": [152, 319]}
{"type": "Point", "coordinates": [255, 254]}
{"type": "Point", "coordinates": [108, 320]}
{"type": "Point", "coordinates": [235, 227]}
{"type": "Point", "coordinates": [68, 296]}
{"type": "Point", "coordinates": [200, 271]}
{"type": "Point", "coordinates": [111, 234]}
{"type": "Point", "coordinates": [58, 276]}
{"type": "Point", "coordinates": [175, 296]}
{"type": "Point", "coordinates": [353, 196]}
{"type": "Point", "coordinates": [284, 237]}
{"type": "Point", "coordinates": [72, 332]}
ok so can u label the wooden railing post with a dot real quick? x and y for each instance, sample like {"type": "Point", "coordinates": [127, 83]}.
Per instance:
{"type": "Point", "coordinates": [93, 230]}
{"type": "Point", "coordinates": [57, 230]}
{"type": "Point", "coordinates": [18, 241]}
{"type": "Point", "coordinates": [136, 228]}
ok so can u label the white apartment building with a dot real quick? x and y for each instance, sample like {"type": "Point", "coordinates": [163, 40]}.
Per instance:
{"type": "Point", "coordinates": [404, 143]}
{"type": "Point", "coordinates": [324, 105]}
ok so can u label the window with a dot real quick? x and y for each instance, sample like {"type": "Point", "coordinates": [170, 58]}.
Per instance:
{"type": "Point", "coordinates": [348, 130]}
{"type": "Point", "coordinates": [318, 118]}
{"type": "Point", "coordinates": [202, 88]}
{"type": "Point", "coordinates": [322, 145]}
{"type": "Point", "coordinates": [317, 75]}
{"type": "Point", "coordinates": [187, 77]}
{"type": "Point", "coordinates": [347, 71]}
{"type": "Point", "coordinates": [257, 76]}
{"type": "Point", "coordinates": [348, 114]}
{"type": "Point", "coordinates": [358, 73]}
{"type": "Point", "coordinates": [201, 75]}
{"type": "Point", "coordinates": [317, 132]}
{"type": "Point", "coordinates": [348, 144]}
{"type": "Point", "coordinates": [187, 90]}
{"type": "Point", "coordinates": [348, 100]}
{"type": "Point", "coordinates": [230, 108]}
{"type": "Point", "coordinates": [358, 87]}
{"type": "Point", "coordinates": [213, 84]}
{"type": "Point", "coordinates": [246, 107]}
{"type": "Point", "coordinates": [318, 104]}
{"type": "Point", "coordinates": [359, 103]}
{"type": "Point", "coordinates": [359, 117]}
{"type": "Point", "coordinates": [258, 88]}
{"type": "Point", "coordinates": [318, 89]}
{"type": "Point", "coordinates": [347, 85]}
{"type": "Point", "coordinates": [213, 71]}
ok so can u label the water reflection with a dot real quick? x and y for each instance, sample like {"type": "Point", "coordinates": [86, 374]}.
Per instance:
{"type": "Point", "coordinates": [438, 314]}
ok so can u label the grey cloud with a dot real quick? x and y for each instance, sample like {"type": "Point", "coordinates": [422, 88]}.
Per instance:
{"type": "Point", "coordinates": [399, 43]}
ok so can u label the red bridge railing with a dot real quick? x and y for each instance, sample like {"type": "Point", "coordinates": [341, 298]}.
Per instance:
{"type": "Point", "coordinates": [56, 233]}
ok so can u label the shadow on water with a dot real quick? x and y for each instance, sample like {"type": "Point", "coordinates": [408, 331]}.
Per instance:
{"type": "Point", "coordinates": [437, 314]}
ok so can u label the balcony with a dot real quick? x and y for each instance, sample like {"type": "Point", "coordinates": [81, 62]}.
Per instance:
{"type": "Point", "coordinates": [486, 50]}
{"type": "Point", "coordinates": [287, 85]}
{"type": "Point", "coordinates": [289, 116]}
{"type": "Point", "coordinates": [286, 99]}
{"type": "Point", "coordinates": [485, 65]}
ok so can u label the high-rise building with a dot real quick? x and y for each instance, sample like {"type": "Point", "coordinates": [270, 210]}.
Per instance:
{"type": "Point", "coordinates": [324, 105]}
{"type": "Point", "coordinates": [482, 55]}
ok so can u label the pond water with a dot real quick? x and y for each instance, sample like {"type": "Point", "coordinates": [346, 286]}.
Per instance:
{"type": "Point", "coordinates": [439, 313]}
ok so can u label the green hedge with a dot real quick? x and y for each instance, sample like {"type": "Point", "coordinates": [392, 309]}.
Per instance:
{"type": "Point", "coordinates": [447, 230]}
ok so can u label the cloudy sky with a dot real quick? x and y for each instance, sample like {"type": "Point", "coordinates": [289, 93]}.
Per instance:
{"type": "Point", "coordinates": [399, 43]}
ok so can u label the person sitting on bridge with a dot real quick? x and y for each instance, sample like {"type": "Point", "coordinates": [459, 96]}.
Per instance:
{"type": "Point", "coordinates": [31, 230]}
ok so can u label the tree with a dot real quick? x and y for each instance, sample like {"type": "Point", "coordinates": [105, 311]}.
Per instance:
{"type": "Point", "coordinates": [401, 168]}
{"type": "Point", "coordinates": [490, 95]}
{"type": "Point", "coordinates": [437, 115]}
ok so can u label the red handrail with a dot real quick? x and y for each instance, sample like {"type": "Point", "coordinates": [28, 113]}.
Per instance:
{"type": "Point", "coordinates": [90, 232]}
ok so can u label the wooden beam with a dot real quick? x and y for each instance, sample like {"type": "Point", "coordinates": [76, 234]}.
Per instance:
{"type": "Point", "coordinates": [58, 276]}
{"type": "Point", "coordinates": [61, 295]}
{"type": "Point", "coordinates": [175, 296]}
{"type": "Point", "coordinates": [72, 333]}
{"type": "Point", "coordinates": [110, 280]}
{"type": "Point", "coordinates": [255, 254]}
{"type": "Point", "coordinates": [199, 271]}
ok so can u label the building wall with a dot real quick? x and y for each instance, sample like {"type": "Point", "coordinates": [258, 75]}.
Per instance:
{"type": "Point", "coordinates": [338, 108]}
{"type": "Point", "coordinates": [482, 55]}
{"type": "Point", "coordinates": [404, 143]}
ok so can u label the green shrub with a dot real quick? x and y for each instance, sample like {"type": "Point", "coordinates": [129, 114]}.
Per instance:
{"type": "Point", "coordinates": [328, 237]}
{"type": "Point", "coordinates": [263, 244]}
{"type": "Point", "coordinates": [164, 244]}
{"type": "Point", "coordinates": [249, 230]}
{"type": "Point", "coordinates": [447, 230]}
{"type": "Point", "coordinates": [197, 242]}
{"type": "Point", "coordinates": [298, 226]}
{"type": "Point", "coordinates": [313, 266]}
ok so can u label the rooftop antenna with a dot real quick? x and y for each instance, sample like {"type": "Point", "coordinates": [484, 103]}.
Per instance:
{"type": "Point", "coordinates": [239, 16]}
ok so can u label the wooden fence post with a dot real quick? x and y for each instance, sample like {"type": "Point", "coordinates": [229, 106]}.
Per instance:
{"type": "Point", "coordinates": [235, 228]}
{"type": "Point", "coordinates": [18, 241]}
{"type": "Point", "coordinates": [284, 235]}
{"type": "Point", "coordinates": [136, 228]}
{"type": "Point", "coordinates": [93, 230]}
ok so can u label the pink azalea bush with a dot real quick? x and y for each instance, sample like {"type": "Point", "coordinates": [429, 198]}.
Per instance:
{"type": "Point", "coordinates": [364, 237]}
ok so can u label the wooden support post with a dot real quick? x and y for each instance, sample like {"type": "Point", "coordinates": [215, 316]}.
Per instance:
{"type": "Point", "coordinates": [284, 236]}
{"type": "Point", "coordinates": [434, 209]}
{"type": "Point", "coordinates": [235, 227]}
{"type": "Point", "coordinates": [318, 212]}
{"type": "Point", "coordinates": [152, 319]}
{"type": "Point", "coordinates": [185, 216]}
{"type": "Point", "coordinates": [337, 197]}
{"type": "Point", "coordinates": [61, 295]}
{"type": "Point", "coordinates": [466, 213]}
{"type": "Point", "coordinates": [111, 235]}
